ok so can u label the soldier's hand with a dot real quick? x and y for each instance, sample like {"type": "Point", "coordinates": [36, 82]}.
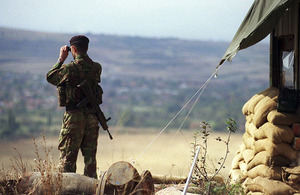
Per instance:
{"type": "Point", "coordinates": [63, 53]}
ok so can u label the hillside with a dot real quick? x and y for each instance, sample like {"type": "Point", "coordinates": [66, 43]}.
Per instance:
{"type": "Point", "coordinates": [146, 81]}
{"type": "Point", "coordinates": [169, 59]}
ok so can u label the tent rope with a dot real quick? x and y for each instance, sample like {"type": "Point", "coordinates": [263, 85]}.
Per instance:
{"type": "Point", "coordinates": [200, 94]}
{"type": "Point", "coordinates": [201, 90]}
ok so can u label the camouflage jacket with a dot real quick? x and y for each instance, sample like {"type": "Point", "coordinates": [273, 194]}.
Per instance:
{"type": "Point", "coordinates": [68, 76]}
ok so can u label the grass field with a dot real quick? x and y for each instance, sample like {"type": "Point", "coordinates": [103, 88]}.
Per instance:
{"type": "Point", "coordinates": [170, 154]}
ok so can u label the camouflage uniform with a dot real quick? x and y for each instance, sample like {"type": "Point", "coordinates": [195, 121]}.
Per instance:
{"type": "Point", "coordinates": [80, 128]}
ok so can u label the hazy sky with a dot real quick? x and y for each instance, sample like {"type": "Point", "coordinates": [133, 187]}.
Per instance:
{"type": "Point", "coordinates": [184, 19]}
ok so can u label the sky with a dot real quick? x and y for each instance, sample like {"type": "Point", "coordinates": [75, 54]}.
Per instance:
{"type": "Point", "coordinates": [216, 20]}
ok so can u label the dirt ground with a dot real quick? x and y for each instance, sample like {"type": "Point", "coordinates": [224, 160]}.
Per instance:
{"type": "Point", "coordinates": [168, 154]}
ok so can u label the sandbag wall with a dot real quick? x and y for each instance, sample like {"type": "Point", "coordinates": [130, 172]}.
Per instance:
{"type": "Point", "coordinates": [267, 143]}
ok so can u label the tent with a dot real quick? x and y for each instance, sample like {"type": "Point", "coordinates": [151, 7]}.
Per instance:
{"type": "Point", "coordinates": [260, 20]}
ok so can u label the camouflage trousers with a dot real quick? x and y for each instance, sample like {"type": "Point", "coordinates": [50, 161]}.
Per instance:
{"type": "Point", "coordinates": [79, 131]}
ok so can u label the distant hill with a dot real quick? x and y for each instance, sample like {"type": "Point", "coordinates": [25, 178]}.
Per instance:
{"type": "Point", "coordinates": [146, 81]}
{"type": "Point", "coordinates": [167, 59]}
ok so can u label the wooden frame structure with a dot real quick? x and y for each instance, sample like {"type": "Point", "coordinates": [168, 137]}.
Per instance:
{"type": "Point", "coordinates": [285, 39]}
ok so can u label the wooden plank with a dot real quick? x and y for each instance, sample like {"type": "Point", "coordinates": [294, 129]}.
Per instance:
{"type": "Point", "coordinates": [296, 67]}
{"type": "Point", "coordinates": [275, 70]}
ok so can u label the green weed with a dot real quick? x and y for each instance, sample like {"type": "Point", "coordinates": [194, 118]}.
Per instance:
{"type": "Point", "coordinates": [206, 172]}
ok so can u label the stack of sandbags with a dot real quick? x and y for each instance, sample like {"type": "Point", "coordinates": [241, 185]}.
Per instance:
{"type": "Point", "coordinates": [291, 176]}
{"type": "Point", "coordinates": [258, 107]}
{"type": "Point", "coordinates": [261, 185]}
{"type": "Point", "coordinates": [267, 142]}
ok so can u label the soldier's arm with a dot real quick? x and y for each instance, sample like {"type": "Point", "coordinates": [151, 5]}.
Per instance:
{"type": "Point", "coordinates": [100, 71]}
{"type": "Point", "coordinates": [99, 67]}
{"type": "Point", "coordinates": [56, 74]}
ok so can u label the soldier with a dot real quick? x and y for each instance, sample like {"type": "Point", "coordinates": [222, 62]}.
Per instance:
{"type": "Point", "coordinates": [80, 128]}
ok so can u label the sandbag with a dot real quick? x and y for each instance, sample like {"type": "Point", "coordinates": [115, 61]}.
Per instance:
{"type": "Point", "coordinates": [292, 170]}
{"type": "Point", "coordinates": [236, 176]}
{"type": "Point", "coordinates": [266, 186]}
{"type": "Point", "coordinates": [264, 103]}
{"type": "Point", "coordinates": [265, 171]}
{"type": "Point", "coordinates": [294, 179]}
{"type": "Point", "coordinates": [260, 145]}
{"type": "Point", "coordinates": [245, 108]}
{"type": "Point", "coordinates": [279, 118]}
{"type": "Point", "coordinates": [250, 105]}
{"type": "Point", "coordinates": [249, 118]}
{"type": "Point", "coordinates": [243, 167]}
{"type": "Point", "coordinates": [291, 175]}
{"type": "Point", "coordinates": [235, 162]}
{"type": "Point", "coordinates": [278, 133]}
{"type": "Point", "coordinates": [242, 147]}
{"type": "Point", "coordinates": [253, 102]}
{"type": "Point", "coordinates": [254, 132]}
{"type": "Point", "coordinates": [248, 155]}
{"type": "Point", "coordinates": [262, 110]}
{"type": "Point", "coordinates": [248, 141]}
{"type": "Point", "coordinates": [249, 129]}
{"type": "Point", "coordinates": [272, 149]}
{"type": "Point", "coordinates": [297, 187]}
{"type": "Point", "coordinates": [266, 159]}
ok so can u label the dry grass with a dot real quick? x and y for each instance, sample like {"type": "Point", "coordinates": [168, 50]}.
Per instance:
{"type": "Point", "coordinates": [169, 155]}
{"type": "Point", "coordinates": [50, 177]}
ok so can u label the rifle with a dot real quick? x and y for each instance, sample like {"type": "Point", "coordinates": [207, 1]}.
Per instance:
{"type": "Point", "coordinates": [90, 98]}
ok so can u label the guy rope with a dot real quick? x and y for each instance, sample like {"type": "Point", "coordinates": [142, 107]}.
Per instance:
{"type": "Point", "coordinates": [199, 92]}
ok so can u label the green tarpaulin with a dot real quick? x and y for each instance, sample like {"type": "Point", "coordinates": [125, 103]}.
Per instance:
{"type": "Point", "coordinates": [260, 20]}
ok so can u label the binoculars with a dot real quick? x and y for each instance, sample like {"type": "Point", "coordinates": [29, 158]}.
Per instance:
{"type": "Point", "coordinates": [68, 48]}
